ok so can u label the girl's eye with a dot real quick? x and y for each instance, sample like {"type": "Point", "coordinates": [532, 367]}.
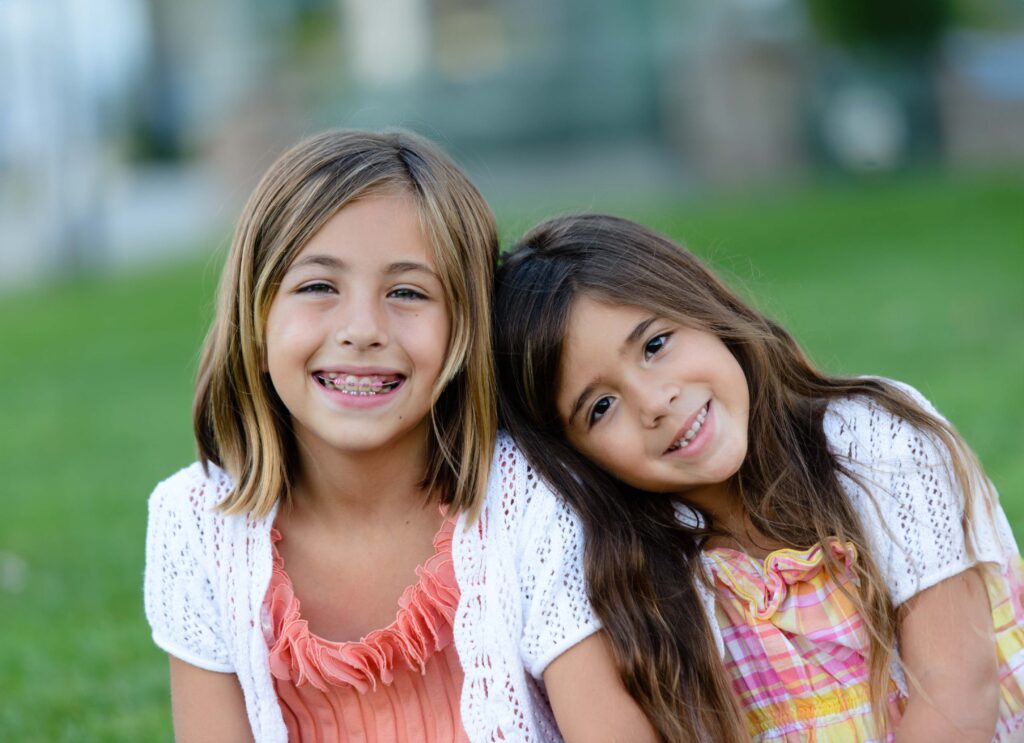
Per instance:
{"type": "Point", "coordinates": [405, 292]}
{"type": "Point", "coordinates": [316, 287]}
{"type": "Point", "coordinates": [655, 344]}
{"type": "Point", "coordinates": [600, 408]}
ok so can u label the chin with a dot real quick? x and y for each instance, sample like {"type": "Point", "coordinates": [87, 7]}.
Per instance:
{"type": "Point", "coordinates": [724, 473]}
{"type": "Point", "coordinates": [358, 444]}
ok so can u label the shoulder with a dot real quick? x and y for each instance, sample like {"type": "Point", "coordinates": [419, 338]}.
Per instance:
{"type": "Point", "coordinates": [187, 499]}
{"type": "Point", "coordinates": [510, 463]}
{"type": "Point", "coordinates": [862, 432]}
{"type": "Point", "coordinates": [523, 523]}
{"type": "Point", "coordinates": [519, 497]}
{"type": "Point", "coordinates": [899, 478]}
{"type": "Point", "coordinates": [527, 547]}
{"type": "Point", "coordinates": [200, 480]}
{"type": "Point", "coordinates": [194, 555]}
{"type": "Point", "coordinates": [196, 484]}
{"type": "Point", "coordinates": [902, 465]}
{"type": "Point", "coordinates": [920, 524]}
{"type": "Point", "coordinates": [513, 483]}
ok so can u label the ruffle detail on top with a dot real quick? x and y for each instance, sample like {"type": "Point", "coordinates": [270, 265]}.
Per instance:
{"type": "Point", "coordinates": [422, 627]}
{"type": "Point", "coordinates": [764, 588]}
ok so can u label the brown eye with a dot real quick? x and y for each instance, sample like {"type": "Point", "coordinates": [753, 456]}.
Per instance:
{"type": "Point", "coordinates": [316, 287]}
{"type": "Point", "coordinates": [655, 344]}
{"type": "Point", "coordinates": [405, 292]}
{"type": "Point", "coordinates": [600, 408]}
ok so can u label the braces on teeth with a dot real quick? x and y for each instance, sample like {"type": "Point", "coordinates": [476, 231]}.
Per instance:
{"type": "Point", "coordinates": [353, 385]}
{"type": "Point", "coordinates": [684, 441]}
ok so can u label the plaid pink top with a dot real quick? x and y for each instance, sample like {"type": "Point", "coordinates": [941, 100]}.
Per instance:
{"type": "Point", "coordinates": [796, 649]}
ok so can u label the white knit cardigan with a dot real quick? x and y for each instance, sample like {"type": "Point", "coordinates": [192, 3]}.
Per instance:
{"type": "Point", "coordinates": [913, 511]}
{"type": "Point", "coordinates": [519, 569]}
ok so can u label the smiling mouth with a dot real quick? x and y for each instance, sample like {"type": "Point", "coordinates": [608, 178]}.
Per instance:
{"type": "Point", "coordinates": [359, 386]}
{"type": "Point", "coordinates": [684, 441]}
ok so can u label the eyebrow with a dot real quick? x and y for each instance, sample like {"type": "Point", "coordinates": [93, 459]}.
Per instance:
{"type": "Point", "coordinates": [329, 261]}
{"type": "Point", "coordinates": [634, 337]}
{"type": "Point", "coordinates": [407, 266]}
{"type": "Point", "coordinates": [317, 259]}
{"type": "Point", "coordinates": [637, 333]}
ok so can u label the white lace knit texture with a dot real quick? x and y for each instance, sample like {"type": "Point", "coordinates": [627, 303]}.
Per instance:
{"type": "Point", "coordinates": [913, 515]}
{"type": "Point", "coordinates": [520, 569]}
{"type": "Point", "coordinates": [523, 598]}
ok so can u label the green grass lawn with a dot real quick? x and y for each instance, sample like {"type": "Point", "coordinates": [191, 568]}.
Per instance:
{"type": "Point", "coordinates": [920, 279]}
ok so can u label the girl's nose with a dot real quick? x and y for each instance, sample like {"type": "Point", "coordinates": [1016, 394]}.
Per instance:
{"type": "Point", "coordinates": [362, 325]}
{"type": "Point", "coordinates": [654, 403]}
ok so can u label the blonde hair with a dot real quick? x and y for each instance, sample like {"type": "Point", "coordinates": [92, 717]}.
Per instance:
{"type": "Point", "coordinates": [240, 423]}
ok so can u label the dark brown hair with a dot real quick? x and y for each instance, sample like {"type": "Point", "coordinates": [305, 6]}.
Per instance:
{"type": "Point", "coordinates": [642, 564]}
{"type": "Point", "coordinates": [240, 423]}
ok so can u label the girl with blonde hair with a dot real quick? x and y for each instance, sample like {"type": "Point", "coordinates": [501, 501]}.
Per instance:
{"type": "Point", "coordinates": [358, 555]}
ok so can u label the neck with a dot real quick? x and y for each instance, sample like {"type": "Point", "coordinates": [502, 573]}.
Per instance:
{"type": "Point", "coordinates": [367, 486]}
{"type": "Point", "coordinates": [722, 502]}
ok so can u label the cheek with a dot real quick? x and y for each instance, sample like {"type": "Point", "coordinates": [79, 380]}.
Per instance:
{"type": "Point", "coordinates": [611, 453]}
{"type": "Point", "coordinates": [272, 350]}
{"type": "Point", "coordinates": [280, 343]}
{"type": "Point", "coordinates": [743, 394]}
{"type": "Point", "coordinates": [276, 364]}
{"type": "Point", "coordinates": [426, 338]}
{"type": "Point", "coordinates": [732, 380]}
{"type": "Point", "coordinates": [289, 340]}
{"type": "Point", "coordinates": [444, 339]}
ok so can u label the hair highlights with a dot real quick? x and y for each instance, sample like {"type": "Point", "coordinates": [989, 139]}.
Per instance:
{"type": "Point", "coordinates": [240, 423]}
{"type": "Point", "coordinates": [643, 566]}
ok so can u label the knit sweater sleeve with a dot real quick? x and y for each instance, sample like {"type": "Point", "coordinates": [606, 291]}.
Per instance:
{"type": "Point", "coordinates": [178, 585]}
{"type": "Point", "coordinates": [523, 601]}
{"type": "Point", "coordinates": [908, 499]}
{"type": "Point", "coordinates": [556, 609]}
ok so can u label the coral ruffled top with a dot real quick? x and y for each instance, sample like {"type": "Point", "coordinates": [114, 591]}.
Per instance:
{"type": "Point", "coordinates": [400, 683]}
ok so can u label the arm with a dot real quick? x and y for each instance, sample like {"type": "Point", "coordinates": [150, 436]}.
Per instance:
{"type": "Point", "coordinates": [588, 697]}
{"type": "Point", "coordinates": [182, 608]}
{"type": "Point", "coordinates": [913, 515]}
{"type": "Point", "coordinates": [208, 706]}
{"type": "Point", "coordinates": [947, 643]}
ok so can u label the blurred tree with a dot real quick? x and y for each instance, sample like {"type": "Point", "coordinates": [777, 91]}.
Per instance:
{"type": "Point", "coordinates": [992, 15]}
{"type": "Point", "coordinates": [877, 101]}
{"type": "Point", "coordinates": [158, 121]}
{"type": "Point", "coordinates": [881, 24]}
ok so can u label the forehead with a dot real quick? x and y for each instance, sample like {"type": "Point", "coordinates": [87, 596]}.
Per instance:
{"type": "Point", "coordinates": [594, 336]}
{"type": "Point", "coordinates": [380, 228]}
{"type": "Point", "coordinates": [595, 325]}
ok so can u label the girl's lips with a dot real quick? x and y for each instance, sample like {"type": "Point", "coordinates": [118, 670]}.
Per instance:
{"type": "Point", "coordinates": [696, 444]}
{"type": "Point", "coordinates": [359, 371]}
{"type": "Point", "coordinates": [366, 382]}
{"type": "Point", "coordinates": [359, 391]}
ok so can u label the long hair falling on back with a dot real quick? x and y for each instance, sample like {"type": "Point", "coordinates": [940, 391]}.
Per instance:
{"type": "Point", "coordinates": [642, 564]}
{"type": "Point", "coordinates": [240, 423]}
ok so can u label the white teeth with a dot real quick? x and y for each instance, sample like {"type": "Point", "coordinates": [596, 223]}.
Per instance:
{"type": "Point", "coordinates": [687, 437]}
{"type": "Point", "coordinates": [359, 386]}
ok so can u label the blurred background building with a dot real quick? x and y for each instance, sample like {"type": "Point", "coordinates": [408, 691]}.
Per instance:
{"type": "Point", "coordinates": [133, 129]}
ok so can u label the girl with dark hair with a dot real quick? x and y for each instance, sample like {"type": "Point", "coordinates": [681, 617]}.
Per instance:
{"type": "Point", "coordinates": [776, 554]}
